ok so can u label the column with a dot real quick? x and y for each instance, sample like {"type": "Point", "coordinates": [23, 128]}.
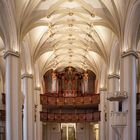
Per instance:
{"type": "Point", "coordinates": [128, 84]}
{"type": "Point", "coordinates": [138, 82]}
{"type": "Point", "coordinates": [102, 115]}
{"type": "Point", "coordinates": [28, 111]}
{"type": "Point", "coordinates": [113, 81]}
{"type": "Point", "coordinates": [13, 96]}
{"type": "Point", "coordinates": [138, 75]}
{"type": "Point", "coordinates": [38, 109]}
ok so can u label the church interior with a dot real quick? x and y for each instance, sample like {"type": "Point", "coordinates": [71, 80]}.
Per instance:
{"type": "Point", "coordinates": [69, 69]}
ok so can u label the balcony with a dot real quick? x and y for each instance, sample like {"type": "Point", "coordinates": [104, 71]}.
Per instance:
{"type": "Point", "coordinates": [119, 119]}
{"type": "Point", "coordinates": [70, 117]}
{"type": "Point", "coordinates": [117, 96]}
{"type": "Point", "coordinates": [50, 100]}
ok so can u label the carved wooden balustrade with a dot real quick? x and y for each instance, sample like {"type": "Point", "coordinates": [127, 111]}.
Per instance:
{"type": "Point", "coordinates": [70, 117]}
{"type": "Point", "coordinates": [2, 115]}
{"type": "Point", "coordinates": [55, 100]}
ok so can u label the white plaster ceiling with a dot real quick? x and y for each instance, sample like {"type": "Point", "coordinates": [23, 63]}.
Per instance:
{"type": "Point", "coordinates": [78, 33]}
{"type": "Point", "coordinates": [67, 36]}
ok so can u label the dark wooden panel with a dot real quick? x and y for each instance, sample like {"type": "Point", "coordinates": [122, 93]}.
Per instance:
{"type": "Point", "coordinates": [70, 117]}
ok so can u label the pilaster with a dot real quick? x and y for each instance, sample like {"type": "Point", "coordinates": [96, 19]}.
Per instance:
{"type": "Point", "coordinates": [13, 96]}
{"type": "Point", "coordinates": [128, 84]}
{"type": "Point", "coordinates": [113, 81]}
{"type": "Point", "coordinates": [39, 125]}
{"type": "Point", "coordinates": [28, 112]}
{"type": "Point", "coordinates": [103, 115]}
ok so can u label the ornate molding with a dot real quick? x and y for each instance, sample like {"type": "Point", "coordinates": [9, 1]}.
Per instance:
{"type": "Point", "coordinates": [13, 53]}
{"type": "Point", "coordinates": [47, 100]}
{"type": "Point", "coordinates": [26, 75]}
{"type": "Point", "coordinates": [130, 52]}
{"type": "Point", "coordinates": [70, 117]}
{"type": "Point", "coordinates": [113, 76]}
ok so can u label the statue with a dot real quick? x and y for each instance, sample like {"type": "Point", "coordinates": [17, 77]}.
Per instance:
{"type": "Point", "coordinates": [54, 82]}
{"type": "Point", "coordinates": [85, 78]}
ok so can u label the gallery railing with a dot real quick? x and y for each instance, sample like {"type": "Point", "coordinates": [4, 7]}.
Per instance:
{"type": "Point", "coordinates": [93, 99]}
{"type": "Point", "coordinates": [70, 117]}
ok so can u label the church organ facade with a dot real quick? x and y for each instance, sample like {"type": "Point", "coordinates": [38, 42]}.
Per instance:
{"type": "Point", "coordinates": [69, 82]}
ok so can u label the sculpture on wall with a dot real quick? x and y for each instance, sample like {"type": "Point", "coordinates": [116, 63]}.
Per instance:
{"type": "Point", "coordinates": [54, 82]}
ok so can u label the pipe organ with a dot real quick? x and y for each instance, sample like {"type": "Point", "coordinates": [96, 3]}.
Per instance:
{"type": "Point", "coordinates": [70, 82]}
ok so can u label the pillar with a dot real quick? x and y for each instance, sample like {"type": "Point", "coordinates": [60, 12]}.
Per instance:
{"type": "Point", "coordinates": [13, 96]}
{"type": "Point", "coordinates": [128, 84]}
{"type": "Point", "coordinates": [38, 109]}
{"type": "Point", "coordinates": [102, 115]}
{"type": "Point", "coordinates": [138, 75]}
{"type": "Point", "coordinates": [113, 81]}
{"type": "Point", "coordinates": [28, 111]}
{"type": "Point", "coordinates": [138, 84]}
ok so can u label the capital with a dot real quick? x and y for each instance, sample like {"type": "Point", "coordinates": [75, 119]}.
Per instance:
{"type": "Point", "coordinates": [13, 53]}
{"type": "Point", "coordinates": [26, 75]}
{"type": "Point", "coordinates": [113, 76]}
{"type": "Point", "coordinates": [128, 53]}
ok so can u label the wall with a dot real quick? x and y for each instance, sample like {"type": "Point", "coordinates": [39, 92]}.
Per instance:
{"type": "Point", "coordinates": [52, 131]}
{"type": "Point", "coordinates": [84, 131]}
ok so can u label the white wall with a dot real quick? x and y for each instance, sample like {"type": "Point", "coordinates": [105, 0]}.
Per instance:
{"type": "Point", "coordinates": [52, 131]}
{"type": "Point", "coordinates": [84, 131]}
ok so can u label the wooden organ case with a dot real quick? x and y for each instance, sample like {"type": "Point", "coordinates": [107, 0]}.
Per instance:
{"type": "Point", "coordinates": [70, 82]}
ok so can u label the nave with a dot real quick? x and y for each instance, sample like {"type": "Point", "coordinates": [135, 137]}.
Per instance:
{"type": "Point", "coordinates": [69, 69]}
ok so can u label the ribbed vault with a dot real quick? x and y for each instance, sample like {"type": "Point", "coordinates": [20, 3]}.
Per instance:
{"type": "Point", "coordinates": [71, 34]}
{"type": "Point", "coordinates": [77, 33]}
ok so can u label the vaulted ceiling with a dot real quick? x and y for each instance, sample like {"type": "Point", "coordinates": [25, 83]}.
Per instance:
{"type": "Point", "coordinates": [78, 33]}
{"type": "Point", "coordinates": [71, 35]}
